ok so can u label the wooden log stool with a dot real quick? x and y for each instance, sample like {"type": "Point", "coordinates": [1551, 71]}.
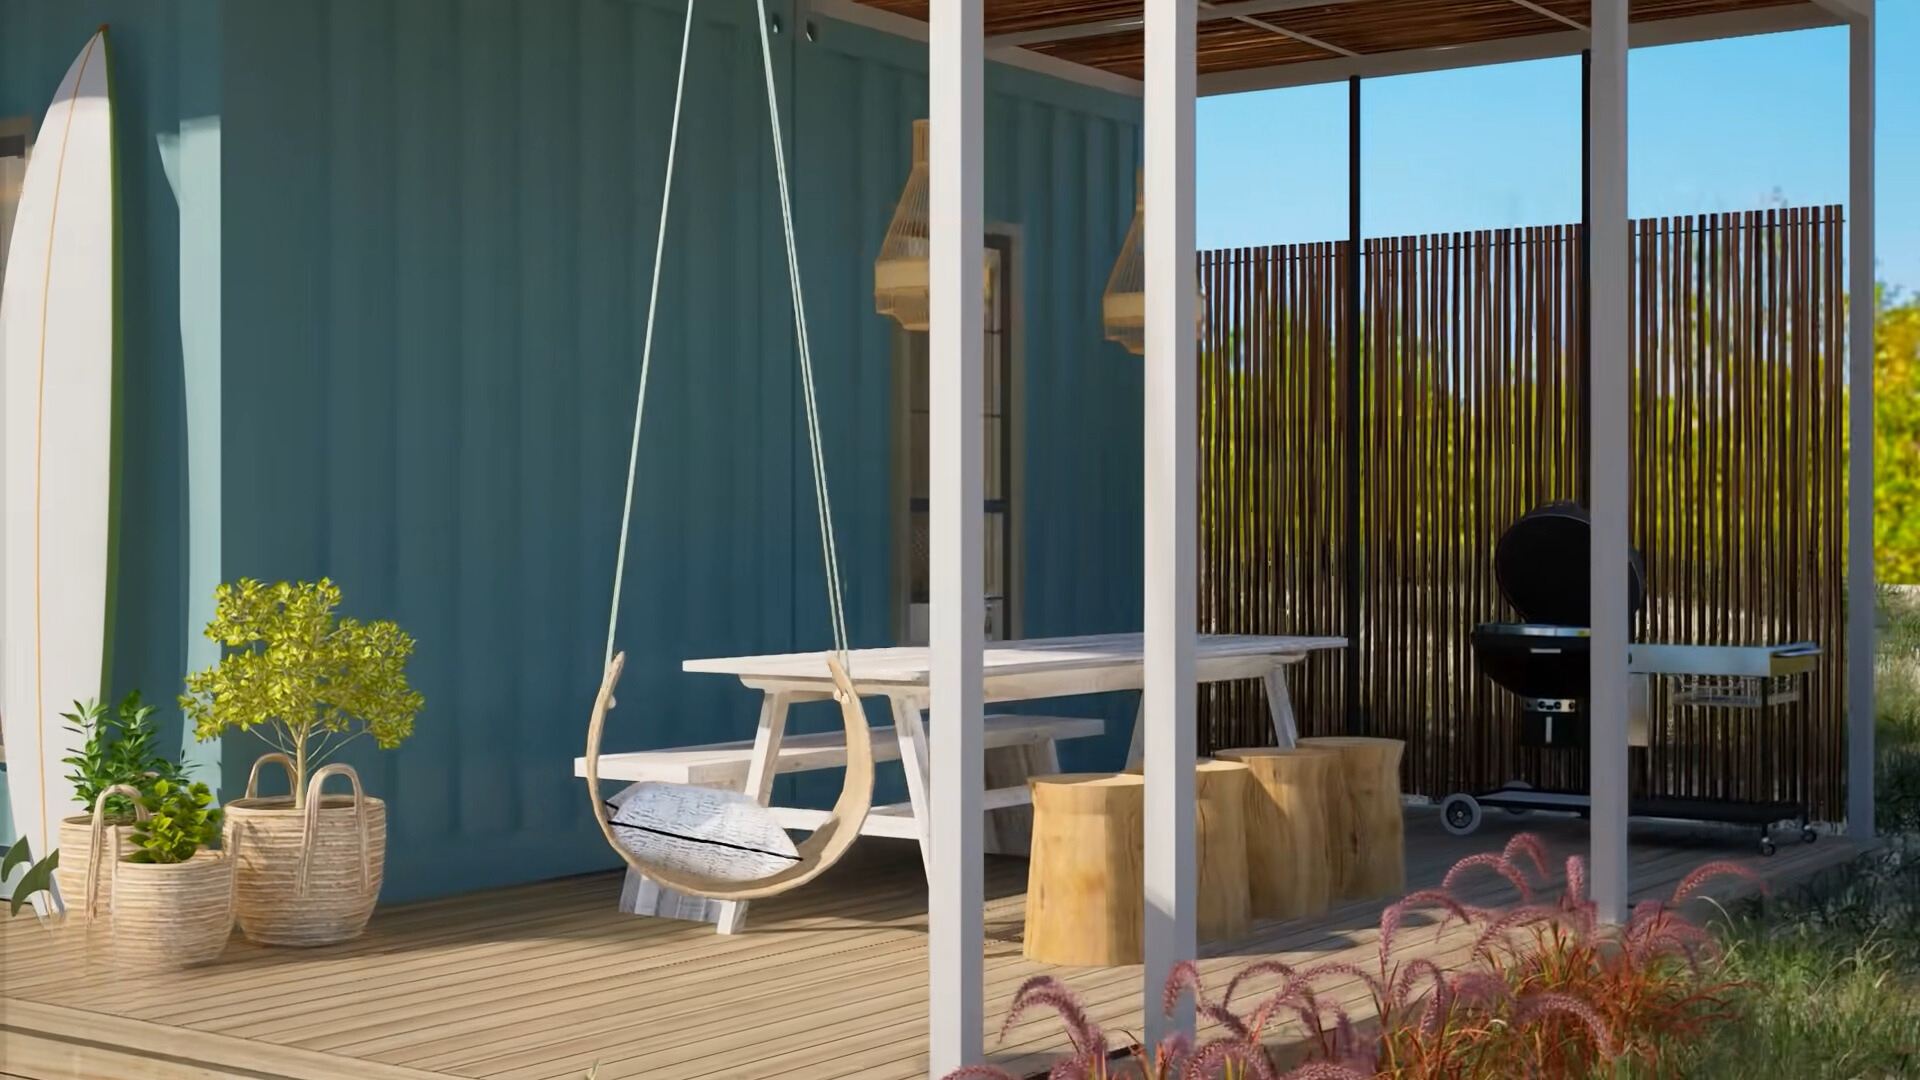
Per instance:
{"type": "Point", "coordinates": [1085, 882]}
{"type": "Point", "coordinates": [1289, 856]}
{"type": "Point", "coordinates": [1225, 902]}
{"type": "Point", "coordinates": [1369, 857]}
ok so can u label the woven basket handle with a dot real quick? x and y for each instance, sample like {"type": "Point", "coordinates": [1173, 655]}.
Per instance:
{"type": "Point", "coordinates": [313, 823]}
{"type": "Point", "coordinates": [230, 851]}
{"type": "Point", "coordinates": [253, 775]}
{"type": "Point", "coordinates": [100, 853]}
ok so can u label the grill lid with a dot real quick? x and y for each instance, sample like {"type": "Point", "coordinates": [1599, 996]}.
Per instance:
{"type": "Point", "coordinates": [1541, 565]}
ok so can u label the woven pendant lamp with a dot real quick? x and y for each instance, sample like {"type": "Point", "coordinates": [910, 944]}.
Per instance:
{"type": "Point", "coordinates": [900, 278]}
{"type": "Point", "coordinates": [1123, 308]}
{"type": "Point", "coordinates": [900, 273]}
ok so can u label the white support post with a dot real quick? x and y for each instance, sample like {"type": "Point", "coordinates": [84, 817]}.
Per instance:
{"type": "Point", "coordinates": [1608, 564]}
{"type": "Point", "coordinates": [1862, 302]}
{"type": "Point", "coordinates": [956, 890]}
{"type": "Point", "coordinates": [1168, 698]}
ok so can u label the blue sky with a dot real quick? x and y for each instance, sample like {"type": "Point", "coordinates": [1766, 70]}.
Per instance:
{"type": "Point", "coordinates": [1727, 125]}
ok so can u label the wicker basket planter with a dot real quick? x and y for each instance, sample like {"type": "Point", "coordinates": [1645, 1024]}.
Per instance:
{"type": "Point", "coordinates": [164, 916]}
{"type": "Point", "coordinates": [172, 915]}
{"type": "Point", "coordinates": [76, 852]}
{"type": "Point", "coordinates": [308, 876]}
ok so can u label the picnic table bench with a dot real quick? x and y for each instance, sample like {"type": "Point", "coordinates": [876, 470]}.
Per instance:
{"type": "Point", "coordinates": [1017, 746]}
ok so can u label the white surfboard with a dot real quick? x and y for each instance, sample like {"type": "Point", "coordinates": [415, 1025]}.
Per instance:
{"type": "Point", "coordinates": [58, 354]}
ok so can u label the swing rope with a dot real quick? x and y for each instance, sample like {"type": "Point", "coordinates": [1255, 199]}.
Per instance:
{"type": "Point", "coordinates": [646, 344]}
{"type": "Point", "coordinates": [830, 552]}
{"type": "Point", "coordinates": [833, 837]}
{"type": "Point", "coordinates": [836, 603]}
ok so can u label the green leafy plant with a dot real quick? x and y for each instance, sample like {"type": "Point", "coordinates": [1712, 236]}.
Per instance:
{"type": "Point", "coordinates": [37, 879]}
{"type": "Point", "coordinates": [181, 819]}
{"type": "Point", "coordinates": [117, 751]}
{"type": "Point", "coordinates": [307, 682]}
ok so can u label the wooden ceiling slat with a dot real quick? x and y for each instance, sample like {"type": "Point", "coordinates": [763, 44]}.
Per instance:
{"type": "Point", "coordinates": [1227, 46]}
{"type": "Point", "coordinates": [1392, 25]}
{"type": "Point", "coordinates": [1366, 27]}
{"type": "Point", "coordinates": [1019, 16]}
{"type": "Point", "coordinates": [1657, 10]}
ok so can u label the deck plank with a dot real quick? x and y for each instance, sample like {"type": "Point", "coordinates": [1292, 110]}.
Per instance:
{"type": "Point", "coordinates": [543, 982]}
{"type": "Point", "coordinates": [64, 1043]}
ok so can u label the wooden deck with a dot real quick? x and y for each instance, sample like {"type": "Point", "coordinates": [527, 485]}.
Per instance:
{"type": "Point", "coordinates": [543, 982]}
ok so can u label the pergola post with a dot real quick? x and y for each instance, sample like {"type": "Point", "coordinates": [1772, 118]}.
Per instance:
{"type": "Point", "coordinates": [956, 632]}
{"type": "Point", "coordinates": [1350, 333]}
{"type": "Point", "coordinates": [1608, 458]}
{"type": "Point", "coordinates": [1171, 504]}
{"type": "Point", "coordinates": [1862, 303]}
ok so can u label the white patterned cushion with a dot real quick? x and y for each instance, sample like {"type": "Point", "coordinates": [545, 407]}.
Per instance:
{"type": "Point", "coordinates": [716, 834]}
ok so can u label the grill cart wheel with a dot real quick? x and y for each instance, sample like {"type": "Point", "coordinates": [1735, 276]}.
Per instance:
{"type": "Point", "coordinates": [1460, 814]}
{"type": "Point", "coordinates": [1766, 845]}
{"type": "Point", "coordinates": [1808, 835]}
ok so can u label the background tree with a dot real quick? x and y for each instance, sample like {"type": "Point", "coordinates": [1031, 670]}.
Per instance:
{"type": "Point", "coordinates": [1896, 439]}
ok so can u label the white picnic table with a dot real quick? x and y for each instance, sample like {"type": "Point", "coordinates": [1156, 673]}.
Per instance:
{"type": "Point", "coordinates": [1014, 671]}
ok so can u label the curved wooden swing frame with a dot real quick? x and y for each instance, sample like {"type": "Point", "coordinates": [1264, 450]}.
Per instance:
{"type": "Point", "coordinates": [818, 852]}
{"type": "Point", "coordinates": [836, 835]}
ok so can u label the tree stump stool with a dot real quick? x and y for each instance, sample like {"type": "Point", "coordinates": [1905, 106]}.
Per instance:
{"type": "Point", "coordinates": [1289, 861]}
{"type": "Point", "coordinates": [1225, 903]}
{"type": "Point", "coordinates": [1224, 911]}
{"type": "Point", "coordinates": [1370, 860]}
{"type": "Point", "coordinates": [1085, 882]}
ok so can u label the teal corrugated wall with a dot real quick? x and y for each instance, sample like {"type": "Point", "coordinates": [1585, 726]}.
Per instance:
{"type": "Point", "coordinates": [435, 236]}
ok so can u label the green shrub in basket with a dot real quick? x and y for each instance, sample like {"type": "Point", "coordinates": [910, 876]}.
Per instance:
{"type": "Point", "coordinates": [181, 819]}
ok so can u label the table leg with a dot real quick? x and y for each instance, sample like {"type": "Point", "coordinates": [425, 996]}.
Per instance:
{"type": "Point", "coordinates": [910, 723]}
{"type": "Point", "coordinates": [1137, 751]}
{"type": "Point", "coordinates": [760, 773]}
{"type": "Point", "coordinates": [1280, 705]}
{"type": "Point", "coordinates": [639, 895]}
{"type": "Point", "coordinates": [1009, 830]}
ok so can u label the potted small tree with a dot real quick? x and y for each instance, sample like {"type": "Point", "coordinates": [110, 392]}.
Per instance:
{"type": "Point", "coordinates": [116, 752]}
{"type": "Point", "coordinates": [307, 866]}
{"type": "Point", "coordinates": [172, 895]}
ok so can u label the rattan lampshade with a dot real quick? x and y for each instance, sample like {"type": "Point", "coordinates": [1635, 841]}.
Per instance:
{"type": "Point", "coordinates": [1123, 308]}
{"type": "Point", "coordinates": [900, 278]}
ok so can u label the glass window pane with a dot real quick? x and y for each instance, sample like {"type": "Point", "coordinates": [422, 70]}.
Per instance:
{"type": "Point", "coordinates": [996, 430]}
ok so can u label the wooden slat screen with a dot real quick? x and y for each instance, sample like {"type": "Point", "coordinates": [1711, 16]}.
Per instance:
{"type": "Point", "coordinates": [1470, 402]}
{"type": "Point", "coordinates": [1272, 446]}
{"type": "Point", "coordinates": [1468, 417]}
{"type": "Point", "coordinates": [1740, 484]}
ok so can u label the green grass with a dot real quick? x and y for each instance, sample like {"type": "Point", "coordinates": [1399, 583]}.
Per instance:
{"type": "Point", "coordinates": [1897, 713]}
{"type": "Point", "coordinates": [1813, 1007]}
{"type": "Point", "coordinates": [1828, 979]}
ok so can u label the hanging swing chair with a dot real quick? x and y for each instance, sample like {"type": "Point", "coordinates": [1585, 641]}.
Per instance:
{"type": "Point", "coordinates": [706, 842]}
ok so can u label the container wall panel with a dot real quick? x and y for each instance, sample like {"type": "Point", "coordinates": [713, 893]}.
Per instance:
{"type": "Point", "coordinates": [440, 220]}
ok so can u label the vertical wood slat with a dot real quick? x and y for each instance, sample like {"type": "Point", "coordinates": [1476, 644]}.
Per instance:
{"type": "Point", "coordinates": [1270, 515]}
{"type": "Point", "coordinates": [1469, 416]}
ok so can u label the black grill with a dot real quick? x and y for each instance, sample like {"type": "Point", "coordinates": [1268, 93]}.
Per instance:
{"type": "Point", "coordinates": [1543, 568]}
{"type": "Point", "coordinates": [1541, 564]}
